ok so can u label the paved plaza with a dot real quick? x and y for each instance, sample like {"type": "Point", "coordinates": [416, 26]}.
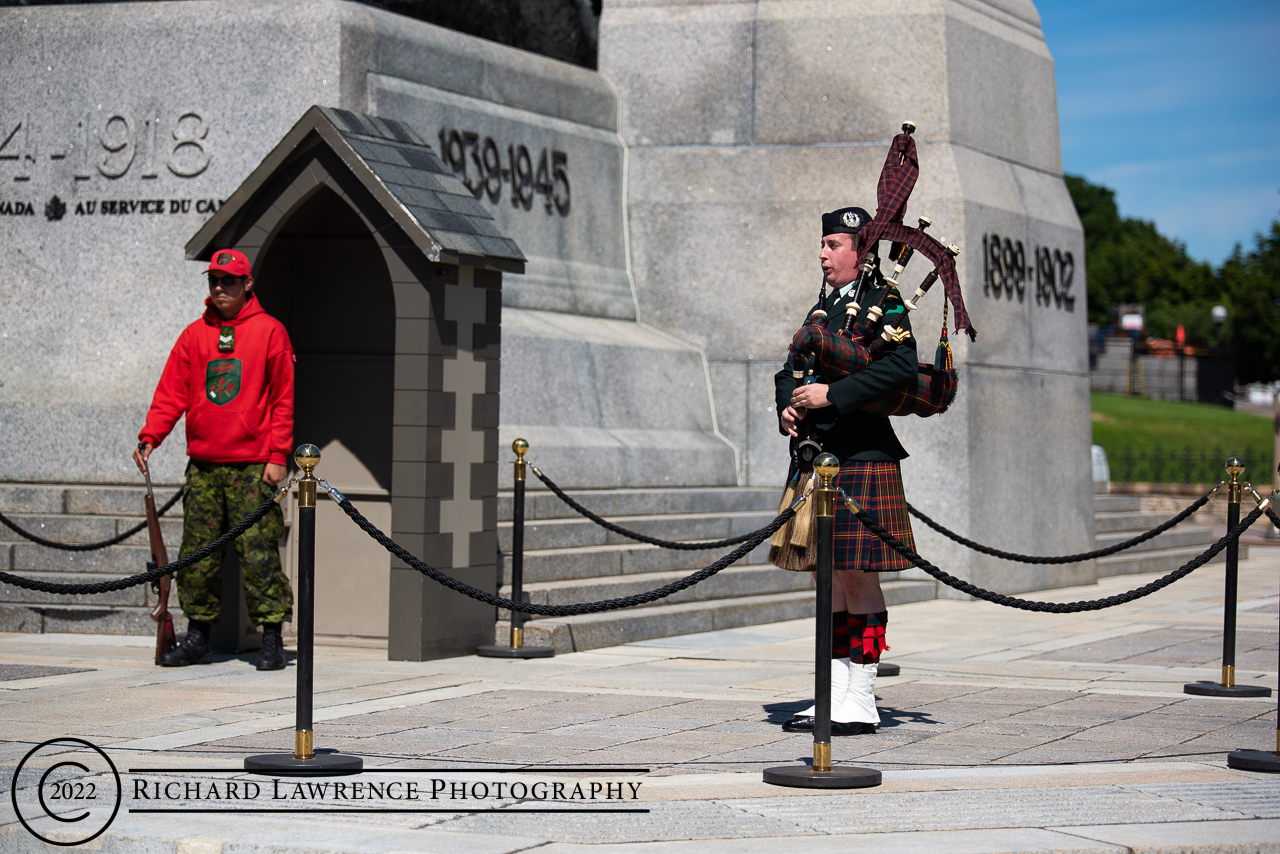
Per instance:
{"type": "Point", "coordinates": [1006, 731]}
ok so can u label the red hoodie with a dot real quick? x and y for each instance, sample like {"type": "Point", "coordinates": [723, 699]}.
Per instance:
{"type": "Point", "coordinates": [239, 404]}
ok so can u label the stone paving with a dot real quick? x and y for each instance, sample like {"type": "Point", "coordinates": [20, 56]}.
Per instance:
{"type": "Point", "coordinates": [1007, 731]}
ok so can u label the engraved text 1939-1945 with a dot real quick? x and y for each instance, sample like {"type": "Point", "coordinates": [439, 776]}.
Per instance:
{"type": "Point", "coordinates": [478, 163]}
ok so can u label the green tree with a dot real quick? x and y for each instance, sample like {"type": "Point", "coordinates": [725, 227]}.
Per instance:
{"type": "Point", "coordinates": [1251, 282]}
{"type": "Point", "coordinates": [1128, 261]}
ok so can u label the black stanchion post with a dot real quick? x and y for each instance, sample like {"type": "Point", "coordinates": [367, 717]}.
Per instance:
{"type": "Point", "coordinates": [517, 649]}
{"type": "Point", "coordinates": [821, 774]}
{"type": "Point", "coordinates": [1258, 760]}
{"type": "Point", "coordinates": [1228, 686]}
{"type": "Point", "coordinates": [305, 761]}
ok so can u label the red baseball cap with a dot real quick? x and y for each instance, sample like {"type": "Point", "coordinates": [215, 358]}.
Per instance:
{"type": "Point", "coordinates": [231, 262]}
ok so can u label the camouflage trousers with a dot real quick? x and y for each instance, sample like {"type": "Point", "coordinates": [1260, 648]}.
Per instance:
{"type": "Point", "coordinates": [216, 497]}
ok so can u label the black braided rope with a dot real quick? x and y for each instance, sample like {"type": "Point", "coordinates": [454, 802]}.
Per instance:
{"type": "Point", "coordinates": [1034, 559]}
{"type": "Point", "coordinates": [151, 574]}
{"type": "Point", "coordinates": [88, 547]}
{"type": "Point", "coordinates": [1055, 607]}
{"type": "Point", "coordinates": [756, 538]}
{"type": "Point", "coordinates": [643, 538]}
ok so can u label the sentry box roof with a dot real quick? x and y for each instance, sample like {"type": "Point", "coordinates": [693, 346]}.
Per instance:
{"type": "Point", "coordinates": [405, 178]}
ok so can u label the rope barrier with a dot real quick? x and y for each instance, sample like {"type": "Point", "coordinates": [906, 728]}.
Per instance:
{"type": "Point", "coordinates": [755, 539]}
{"type": "Point", "coordinates": [1103, 552]}
{"type": "Point", "coordinates": [747, 543]}
{"type": "Point", "coordinates": [642, 538]}
{"type": "Point", "coordinates": [1049, 607]}
{"type": "Point", "coordinates": [1265, 504]}
{"type": "Point", "coordinates": [88, 547]}
{"type": "Point", "coordinates": [150, 575]}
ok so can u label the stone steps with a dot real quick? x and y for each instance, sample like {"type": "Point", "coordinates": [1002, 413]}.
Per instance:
{"type": "Point", "coordinates": [84, 500]}
{"type": "Point", "coordinates": [1107, 523]}
{"type": "Point", "coordinates": [570, 560]}
{"type": "Point", "coordinates": [580, 532]}
{"type": "Point", "coordinates": [732, 582]}
{"type": "Point", "coordinates": [1158, 560]}
{"type": "Point", "coordinates": [81, 514]}
{"type": "Point", "coordinates": [138, 596]}
{"type": "Point", "coordinates": [117, 560]}
{"type": "Point", "coordinates": [69, 529]}
{"type": "Point", "coordinates": [1117, 503]}
{"type": "Point", "coordinates": [547, 565]}
{"type": "Point", "coordinates": [541, 503]}
{"type": "Point", "coordinates": [1120, 517]}
{"type": "Point", "coordinates": [1183, 536]}
{"type": "Point", "coordinates": [592, 631]}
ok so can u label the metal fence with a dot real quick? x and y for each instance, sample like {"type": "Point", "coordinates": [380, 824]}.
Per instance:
{"type": "Point", "coordinates": [1163, 465]}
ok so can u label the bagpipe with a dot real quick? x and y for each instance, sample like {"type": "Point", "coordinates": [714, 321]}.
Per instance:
{"type": "Point", "coordinates": [821, 355]}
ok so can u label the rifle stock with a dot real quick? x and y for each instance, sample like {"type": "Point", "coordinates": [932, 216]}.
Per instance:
{"type": "Point", "coordinates": [165, 637]}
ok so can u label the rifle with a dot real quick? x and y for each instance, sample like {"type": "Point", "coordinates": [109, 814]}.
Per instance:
{"type": "Point", "coordinates": [165, 638]}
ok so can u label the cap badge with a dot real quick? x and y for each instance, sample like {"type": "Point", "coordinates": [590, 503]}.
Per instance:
{"type": "Point", "coordinates": [850, 220]}
{"type": "Point", "coordinates": [225, 258]}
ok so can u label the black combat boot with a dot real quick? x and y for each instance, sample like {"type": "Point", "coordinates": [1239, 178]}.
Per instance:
{"type": "Point", "coordinates": [272, 655]}
{"type": "Point", "coordinates": [194, 648]}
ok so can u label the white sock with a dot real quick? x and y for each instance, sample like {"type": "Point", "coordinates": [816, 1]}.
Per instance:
{"type": "Point", "coordinates": [839, 688]}
{"type": "Point", "coordinates": [859, 702]}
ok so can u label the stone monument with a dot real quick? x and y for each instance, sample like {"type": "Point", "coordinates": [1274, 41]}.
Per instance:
{"type": "Point", "coordinates": [745, 121]}
{"type": "Point", "coordinates": [667, 207]}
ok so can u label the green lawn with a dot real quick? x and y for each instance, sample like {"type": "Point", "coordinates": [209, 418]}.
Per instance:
{"type": "Point", "coordinates": [1151, 426]}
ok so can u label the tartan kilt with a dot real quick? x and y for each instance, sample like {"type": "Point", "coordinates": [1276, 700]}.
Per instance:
{"type": "Point", "coordinates": [877, 487]}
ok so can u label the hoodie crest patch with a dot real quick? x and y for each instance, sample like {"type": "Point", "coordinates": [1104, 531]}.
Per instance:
{"type": "Point", "coordinates": [222, 380]}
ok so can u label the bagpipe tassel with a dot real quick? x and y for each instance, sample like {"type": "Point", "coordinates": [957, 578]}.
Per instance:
{"type": "Point", "coordinates": [942, 358]}
{"type": "Point", "coordinates": [780, 536]}
{"type": "Point", "coordinates": [803, 529]}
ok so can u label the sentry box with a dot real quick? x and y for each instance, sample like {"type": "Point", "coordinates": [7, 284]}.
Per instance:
{"type": "Point", "coordinates": [387, 273]}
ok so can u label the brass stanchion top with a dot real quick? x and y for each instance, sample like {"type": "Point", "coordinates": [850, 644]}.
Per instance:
{"type": "Point", "coordinates": [520, 446]}
{"type": "Point", "coordinates": [827, 467]}
{"type": "Point", "coordinates": [1235, 468]}
{"type": "Point", "coordinates": [307, 457]}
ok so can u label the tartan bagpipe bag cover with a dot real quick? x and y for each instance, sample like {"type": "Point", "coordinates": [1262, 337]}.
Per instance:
{"type": "Point", "coordinates": [932, 392]}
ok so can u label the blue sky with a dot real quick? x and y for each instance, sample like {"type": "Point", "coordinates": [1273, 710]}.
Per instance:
{"type": "Point", "coordinates": [1176, 106]}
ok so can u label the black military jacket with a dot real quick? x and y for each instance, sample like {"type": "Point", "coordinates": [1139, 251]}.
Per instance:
{"type": "Point", "coordinates": [843, 428]}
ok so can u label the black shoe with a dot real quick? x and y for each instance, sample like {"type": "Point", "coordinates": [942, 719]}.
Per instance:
{"type": "Point", "coordinates": [194, 648]}
{"type": "Point", "coordinates": [805, 724]}
{"type": "Point", "coordinates": [853, 728]}
{"type": "Point", "coordinates": [272, 655]}
{"type": "Point", "coordinates": [798, 723]}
